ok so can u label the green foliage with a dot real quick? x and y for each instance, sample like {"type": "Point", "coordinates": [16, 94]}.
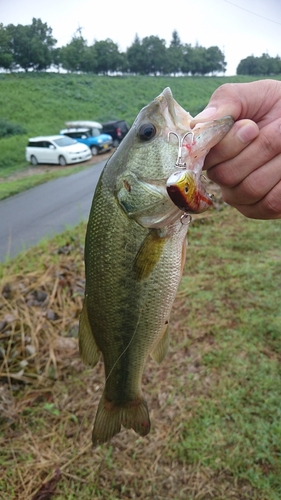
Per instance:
{"type": "Point", "coordinates": [108, 58]}
{"type": "Point", "coordinates": [77, 56]}
{"type": "Point", "coordinates": [264, 65]}
{"type": "Point", "coordinates": [31, 45]}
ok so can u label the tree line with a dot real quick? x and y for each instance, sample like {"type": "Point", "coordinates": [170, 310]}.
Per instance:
{"type": "Point", "coordinates": [33, 47]}
{"type": "Point", "coordinates": [263, 65]}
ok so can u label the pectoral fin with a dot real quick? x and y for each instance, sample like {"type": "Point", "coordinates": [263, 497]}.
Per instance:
{"type": "Point", "coordinates": [160, 350]}
{"type": "Point", "coordinates": [88, 348]}
{"type": "Point", "coordinates": [148, 255]}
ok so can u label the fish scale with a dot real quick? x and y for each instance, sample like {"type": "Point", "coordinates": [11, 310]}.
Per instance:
{"type": "Point", "coordinates": [134, 256]}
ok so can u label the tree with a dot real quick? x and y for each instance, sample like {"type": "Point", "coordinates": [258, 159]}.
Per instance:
{"type": "Point", "coordinates": [276, 65]}
{"type": "Point", "coordinates": [195, 60]}
{"type": "Point", "coordinates": [174, 55]}
{"type": "Point", "coordinates": [32, 45]}
{"type": "Point", "coordinates": [155, 50]}
{"type": "Point", "coordinates": [6, 55]}
{"type": "Point", "coordinates": [89, 62]}
{"type": "Point", "coordinates": [201, 61]}
{"type": "Point", "coordinates": [187, 58]}
{"type": "Point", "coordinates": [264, 65]}
{"type": "Point", "coordinates": [249, 66]}
{"type": "Point", "coordinates": [56, 58]}
{"type": "Point", "coordinates": [215, 60]}
{"type": "Point", "coordinates": [74, 55]}
{"type": "Point", "coordinates": [136, 57]}
{"type": "Point", "coordinates": [20, 45]}
{"type": "Point", "coordinates": [41, 45]}
{"type": "Point", "coordinates": [109, 58]}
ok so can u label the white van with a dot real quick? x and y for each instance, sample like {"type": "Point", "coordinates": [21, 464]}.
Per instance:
{"type": "Point", "coordinates": [57, 149]}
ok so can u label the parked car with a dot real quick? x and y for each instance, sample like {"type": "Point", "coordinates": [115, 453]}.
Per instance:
{"type": "Point", "coordinates": [93, 137]}
{"type": "Point", "coordinates": [117, 129]}
{"type": "Point", "coordinates": [56, 149]}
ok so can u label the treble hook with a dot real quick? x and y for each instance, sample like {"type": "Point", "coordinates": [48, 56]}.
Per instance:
{"type": "Point", "coordinates": [179, 162]}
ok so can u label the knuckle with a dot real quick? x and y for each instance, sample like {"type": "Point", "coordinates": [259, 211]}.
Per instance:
{"type": "Point", "coordinates": [273, 205]}
{"type": "Point", "coordinates": [227, 196]}
{"type": "Point", "coordinates": [270, 140]}
{"type": "Point", "coordinates": [224, 174]}
{"type": "Point", "coordinates": [227, 89]}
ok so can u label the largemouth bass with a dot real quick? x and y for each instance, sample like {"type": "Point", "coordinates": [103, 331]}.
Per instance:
{"type": "Point", "coordinates": [134, 258]}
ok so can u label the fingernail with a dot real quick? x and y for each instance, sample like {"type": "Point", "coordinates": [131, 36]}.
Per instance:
{"type": "Point", "coordinates": [247, 132]}
{"type": "Point", "coordinates": [206, 114]}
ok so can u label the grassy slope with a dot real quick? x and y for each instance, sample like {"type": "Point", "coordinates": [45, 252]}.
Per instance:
{"type": "Point", "coordinates": [41, 103]}
{"type": "Point", "coordinates": [214, 401]}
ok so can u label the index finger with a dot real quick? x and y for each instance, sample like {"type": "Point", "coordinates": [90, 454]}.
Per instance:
{"type": "Point", "coordinates": [239, 136]}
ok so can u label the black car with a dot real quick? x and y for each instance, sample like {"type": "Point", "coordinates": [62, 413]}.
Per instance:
{"type": "Point", "coordinates": [117, 129]}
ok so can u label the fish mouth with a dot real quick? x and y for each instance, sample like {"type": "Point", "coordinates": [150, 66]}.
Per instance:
{"type": "Point", "coordinates": [174, 113]}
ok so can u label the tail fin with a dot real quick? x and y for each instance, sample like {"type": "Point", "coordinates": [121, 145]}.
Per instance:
{"type": "Point", "coordinates": [110, 417]}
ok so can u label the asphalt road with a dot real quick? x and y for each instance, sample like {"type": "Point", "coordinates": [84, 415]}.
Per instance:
{"type": "Point", "coordinates": [46, 210]}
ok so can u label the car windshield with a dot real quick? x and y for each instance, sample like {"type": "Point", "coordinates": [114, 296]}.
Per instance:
{"type": "Point", "coordinates": [96, 132]}
{"type": "Point", "coordinates": [64, 141]}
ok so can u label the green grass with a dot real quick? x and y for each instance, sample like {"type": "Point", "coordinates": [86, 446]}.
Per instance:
{"type": "Point", "coordinates": [215, 401]}
{"type": "Point", "coordinates": [233, 282]}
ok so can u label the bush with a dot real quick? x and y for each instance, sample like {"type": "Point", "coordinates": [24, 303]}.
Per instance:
{"type": "Point", "coordinates": [8, 129]}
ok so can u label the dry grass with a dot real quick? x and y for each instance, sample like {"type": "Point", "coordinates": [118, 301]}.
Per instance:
{"type": "Point", "coordinates": [48, 399]}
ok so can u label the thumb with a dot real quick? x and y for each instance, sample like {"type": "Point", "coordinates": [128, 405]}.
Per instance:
{"type": "Point", "coordinates": [240, 100]}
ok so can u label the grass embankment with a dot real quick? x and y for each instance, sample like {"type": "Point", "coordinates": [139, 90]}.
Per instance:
{"type": "Point", "coordinates": [42, 103]}
{"type": "Point", "coordinates": [214, 401]}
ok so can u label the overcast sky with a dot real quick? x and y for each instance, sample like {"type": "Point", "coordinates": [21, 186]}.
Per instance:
{"type": "Point", "coordinates": [239, 28]}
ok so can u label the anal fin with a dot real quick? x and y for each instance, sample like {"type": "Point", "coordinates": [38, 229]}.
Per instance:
{"type": "Point", "coordinates": [160, 350]}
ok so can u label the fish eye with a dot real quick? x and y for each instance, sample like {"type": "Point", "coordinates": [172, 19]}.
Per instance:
{"type": "Point", "coordinates": [186, 188]}
{"type": "Point", "coordinates": [147, 131]}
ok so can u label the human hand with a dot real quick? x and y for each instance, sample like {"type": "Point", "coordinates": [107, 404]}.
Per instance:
{"type": "Point", "coordinates": [246, 163]}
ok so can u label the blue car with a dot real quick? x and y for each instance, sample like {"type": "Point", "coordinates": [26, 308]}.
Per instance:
{"type": "Point", "coordinates": [92, 137]}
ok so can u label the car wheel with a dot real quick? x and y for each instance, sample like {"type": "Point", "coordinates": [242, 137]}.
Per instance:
{"type": "Point", "coordinates": [33, 160]}
{"type": "Point", "coordinates": [94, 150]}
{"type": "Point", "coordinates": [62, 161]}
{"type": "Point", "coordinates": [115, 143]}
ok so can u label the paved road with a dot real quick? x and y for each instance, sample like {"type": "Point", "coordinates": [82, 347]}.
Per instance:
{"type": "Point", "coordinates": [46, 210]}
